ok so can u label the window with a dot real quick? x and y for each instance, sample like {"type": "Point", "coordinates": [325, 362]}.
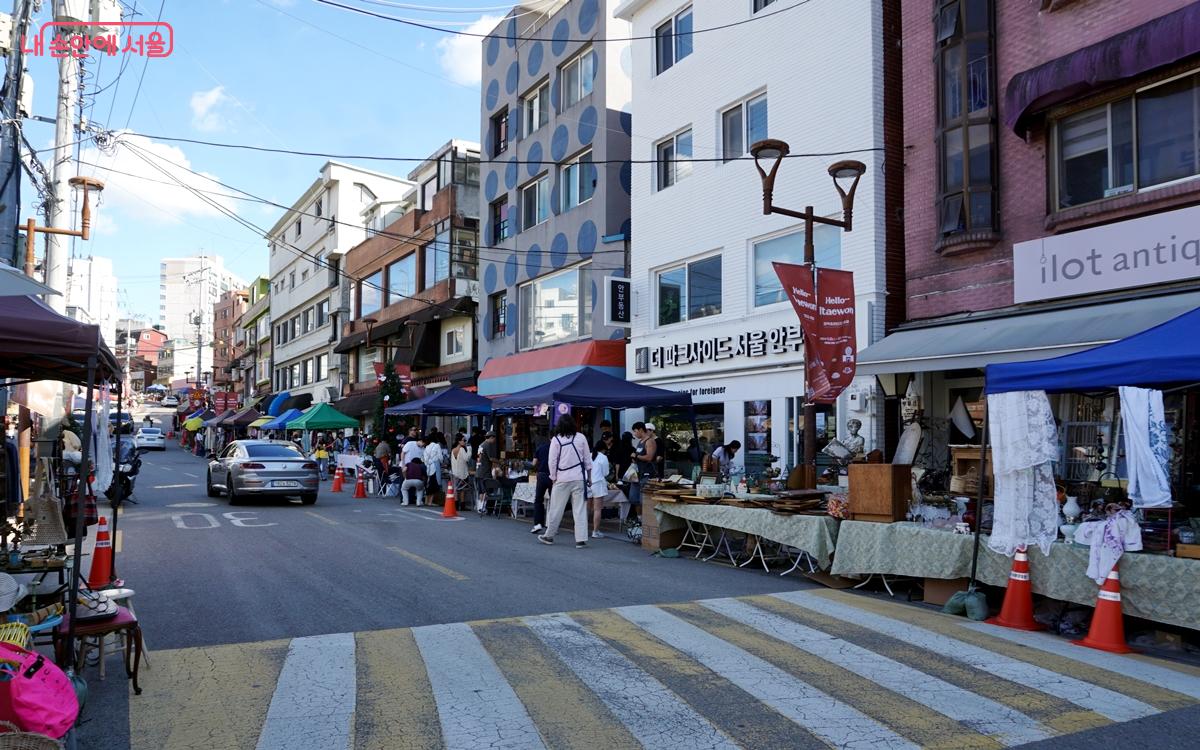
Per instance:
{"type": "Point", "coordinates": [317, 262]}
{"type": "Point", "coordinates": [294, 375]}
{"type": "Point", "coordinates": [437, 260]}
{"type": "Point", "coordinates": [370, 298]}
{"type": "Point", "coordinates": [402, 279]}
{"type": "Point", "coordinates": [292, 280]}
{"type": "Point", "coordinates": [577, 181]}
{"type": "Point", "coordinates": [536, 108]}
{"type": "Point", "coordinates": [429, 189]}
{"type": "Point", "coordinates": [466, 168]}
{"type": "Point", "coordinates": [308, 372]}
{"type": "Point", "coordinates": [318, 206]}
{"type": "Point", "coordinates": [464, 255]}
{"type": "Point", "coordinates": [673, 40]}
{"type": "Point", "coordinates": [789, 248]}
{"type": "Point", "coordinates": [445, 170]}
{"type": "Point", "coordinates": [454, 342]}
{"type": "Point", "coordinates": [500, 132]}
{"type": "Point", "coordinates": [556, 308]}
{"type": "Point", "coordinates": [535, 202]}
{"type": "Point", "coordinates": [297, 229]}
{"type": "Point", "coordinates": [295, 324]}
{"type": "Point", "coordinates": [760, 4]}
{"type": "Point", "coordinates": [742, 126]}
{"type": "Point", "coordinates": [498, 304]}
{"type": "Point", "coordinates": [320, 367]}
{"type": "Point", "coordinates": [690, 291]}
{"type": "Point", "coordinates": [366, 361]}
{"type": "Point", "coordinates": [500, 228]}
{"type": "Point", "coordinates": [966, 117]}
{"type": "Point", "coordinates": [1136, 142]}
{"type": "Point", "coordinates": [577, 75]}
{"type": "Point", "coordinates": [322, 313]}
{"type": "Point", "coordinates": [674, 159]}
{"type": "Point", "coordinates": [304, 276]}
{"type": "Point", "coordinates": [306, 320]}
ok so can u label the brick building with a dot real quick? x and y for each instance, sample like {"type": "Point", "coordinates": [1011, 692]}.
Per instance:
{"type": "Point", "coordinates": [1050, 183]}
{"type": "Point", "coordinates": [228, 341]}
{"type": "Point", "coordinates": [414, 292]}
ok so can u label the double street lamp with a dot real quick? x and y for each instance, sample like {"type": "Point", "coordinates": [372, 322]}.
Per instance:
{"type": "Point", "coordinates": [772, 152]}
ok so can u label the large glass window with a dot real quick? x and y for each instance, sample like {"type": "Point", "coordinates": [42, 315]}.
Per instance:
{"type": "Point", "coordinates": [402, 279]}
{"type": "Point", "coordinates": [466, 168]}
{"type": "Point", "coordinates": [464, 256]}
{"type": "Point", "coordinates": [556, 308]}
{"type": "Point", "coordinates": [370, 296]}
{"type": "Point", "coordinates": [743, 125]}
{"type": "Point", "coordinates": [437, 260]}
{"type": "Point", "coordinates": [690, 291]}
{"type": "Point", "coordinates": [577, 181]}
{"type": "Point", "coordinates": [674, 158]}
{"type": "Point", "coordinates": [577, 74]}
{"type": "Point", "coordinates": [673, 40]}
{"type": "Point", "coordinates": [1136, 142]}
{"type": "Point", "coordinates": [790, 249]}
{"type": "Point", "coordinates": [966, 116]}
{"type": "Point", "coordinates": [366, 363]}
{"type": "Point", "coordinates": [429, 188]}
{"type": "Point", "coordinates": [535, 202]}
{"type": "Point", "coordinates": [536, 107]}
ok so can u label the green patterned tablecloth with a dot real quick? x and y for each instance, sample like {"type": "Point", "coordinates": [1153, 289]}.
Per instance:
{"type": "Point", "coordinates": [815, 535]}
{"type": "Point", "coordinates": [1155, 587]}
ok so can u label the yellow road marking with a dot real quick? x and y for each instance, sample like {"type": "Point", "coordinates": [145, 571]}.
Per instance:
{"type": "Point", "coordinates": [1154, 695]}
{"type": "Point", "coordinates": [1061, 716]}
{"type": "Point", "coordinates": [906, 717]}
{"type": "Point", "coordinates": [206, 697]}
{"type": "Point", "coordinates": [329, 521]}
{"type": "Point", "coordinates": [394, 708]}
{"type": "Point", "coordinates": [429, 564]}
{"type": "Point", "coordinates": [567, 714]}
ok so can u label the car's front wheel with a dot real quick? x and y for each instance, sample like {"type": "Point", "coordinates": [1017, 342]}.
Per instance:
{"type": "Point", "coordinates": [308, 498]}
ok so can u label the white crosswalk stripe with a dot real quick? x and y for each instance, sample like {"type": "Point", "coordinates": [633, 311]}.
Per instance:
{"type": "Point", "coordinates": [826, 717]}
{"type": "Point", "coordinates": [981, 714]}
{"type": "Point", "coordinates": [314, 697]}
{"type": "Point", "coordinates": [476, 705]}
{"type": "Point", "coordinates": [652, 713]}
{"type": "Point", "coordinates": [1093, 697]}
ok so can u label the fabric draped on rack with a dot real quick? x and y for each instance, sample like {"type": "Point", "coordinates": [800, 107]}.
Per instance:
{"type": "Point", "coordinates": [103, 444]}
{"type": "Point", "coordinates": [1109, 538]}
{"type": "Point", "coordinates": [1147, 447]}
{"type": "Point", "coordinates": [1024, 443]}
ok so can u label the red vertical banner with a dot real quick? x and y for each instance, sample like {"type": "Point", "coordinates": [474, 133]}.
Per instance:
{"type": "Point", "coordinates": [826, 312]}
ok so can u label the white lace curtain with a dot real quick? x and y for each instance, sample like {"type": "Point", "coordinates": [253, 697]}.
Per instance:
{"type": "Point", "coordinates": [1024, 443]}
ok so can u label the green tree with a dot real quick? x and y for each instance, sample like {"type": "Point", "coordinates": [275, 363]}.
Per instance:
{"type": "Point", "coordinates": [391, 393]}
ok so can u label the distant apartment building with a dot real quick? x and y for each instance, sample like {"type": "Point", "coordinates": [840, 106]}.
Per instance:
{"type": "Point", "coordinates": [92, 289]}
{"type": "Point", "coordinates": [415, 294]}
{"type": "Point", "coordinates": [227, 337]}
{"type": "Point", "coordinates": [188, 291]}
{"type": "Point", "coordinates": [308, 287]}
{"type": "Point", "coordinates": [254, 364]}
{"type": "Point", "coordinates": [555, 127]}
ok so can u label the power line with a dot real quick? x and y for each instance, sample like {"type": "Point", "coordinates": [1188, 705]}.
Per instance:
{"type": "Point", "coordinates": [430, 27]}
{"type": "Point", "coordinates": [145, 64]}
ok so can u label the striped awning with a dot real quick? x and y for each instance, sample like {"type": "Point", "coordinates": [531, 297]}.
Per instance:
{"type": "Point", "coordinates": [518, 372]}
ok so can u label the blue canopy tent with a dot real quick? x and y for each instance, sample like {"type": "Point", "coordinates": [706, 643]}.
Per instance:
{"type": "Point", "coordinates": [452, 402]}
{"type": "Point", "coordinates": [280, 421]}
{"type": "Point", "coordinates": [276, 407]}
{"type": "Point", "coordinates": [590, 387]}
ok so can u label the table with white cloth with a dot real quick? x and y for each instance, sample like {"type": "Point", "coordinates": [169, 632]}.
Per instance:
{"type": "Point", "coordinates": [1154, 587]}
{"type": "Point", "coordinates": [349, 461]}
{"type": "Point", "coordinates": [815, 535]}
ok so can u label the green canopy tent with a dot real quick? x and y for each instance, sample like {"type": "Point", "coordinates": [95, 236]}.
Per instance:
{"type": "Point", "coordinates": [322, 417]}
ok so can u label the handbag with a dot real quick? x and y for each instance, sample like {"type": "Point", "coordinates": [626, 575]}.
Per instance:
{"type": "Point", "coordinates": [631, 474]}
{"type": "Point", "coordinates": [45, 512]}
{"type": "Point", "coordinates": [34, 693]}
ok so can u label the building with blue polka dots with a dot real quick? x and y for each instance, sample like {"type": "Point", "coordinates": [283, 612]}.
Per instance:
{"type": "Point", "coordinates": [554, 192]}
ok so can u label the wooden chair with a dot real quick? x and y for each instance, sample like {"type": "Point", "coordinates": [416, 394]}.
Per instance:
{"type": "Point", "coordinates": [91, 634]}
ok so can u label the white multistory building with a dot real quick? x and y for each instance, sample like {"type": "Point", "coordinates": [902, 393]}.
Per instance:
{"type": "Point", "coordinates": [308, 287]}
{"type": "Point", "coordinates": [188, 288]}
{"type": "Point", "coordinates": [710, 316]}
{"type": "Point", "coordinates": [91, 295]}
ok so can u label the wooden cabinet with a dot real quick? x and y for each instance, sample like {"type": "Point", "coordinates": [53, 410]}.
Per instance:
{"type": "Point", "coordinates": [880, 492]}
{"type": "Point", "coordinates": [652, 539]}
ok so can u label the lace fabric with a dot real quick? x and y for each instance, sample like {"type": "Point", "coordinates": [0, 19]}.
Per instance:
{"type": "Point", "coordinates": [1147, 447]}
{"type": "Point", "coordinates": [104, 452]}
{"type": "Point", "coordinates": [1024, 443]}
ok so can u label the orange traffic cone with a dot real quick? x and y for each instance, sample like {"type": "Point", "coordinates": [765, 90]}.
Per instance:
{"type": "Point", "coordinates": [450, 509]}
{"type": "Point", "coordinates": [360, 488]}
{"type": "Point", "coordinates": [101, 575]}
{"type": "Point", "coordinates": [1107, 631]}
{"type": "Point", "coordinates": [338, 477]}
{"type": "Point", "coordinates": [1017, 611]}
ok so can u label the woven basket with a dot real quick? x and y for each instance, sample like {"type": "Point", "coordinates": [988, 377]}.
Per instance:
{"type": "Point", "coordinates": [12, 738]}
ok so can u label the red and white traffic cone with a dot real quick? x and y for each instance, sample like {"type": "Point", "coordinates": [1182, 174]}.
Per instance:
{"type": "Point", "coordinates": [1107, 631]}
{"type": "Point", "coordinates": [1017, 611]}
{"type": "Point", "coordinates": [338, 478]}
{"type": "Point", "coordinates": [450, 509]}
{"type": "Point", "coordinates": [360, 488]}
{"type": "Point", "coordinates": [102, 559]}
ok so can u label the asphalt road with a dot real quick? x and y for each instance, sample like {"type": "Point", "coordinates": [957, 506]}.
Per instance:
{"type": "Point", "coordinates": [361, 618]}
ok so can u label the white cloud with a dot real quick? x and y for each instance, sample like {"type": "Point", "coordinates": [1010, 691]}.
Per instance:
{"type": "Point", "coordinates": [461, 57]}
{"type": "Point", "coordinates": [205, 109]}
{"type": "Point", "coordinates": [135, 188]}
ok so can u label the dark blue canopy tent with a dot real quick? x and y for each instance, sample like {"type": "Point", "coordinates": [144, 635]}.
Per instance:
{"type": "Point", "coordinates": [1168, 353]}
{"type": "Point", "coordinates": [452, 402]}
{"type": "Point", "coordinates": [589, 387]}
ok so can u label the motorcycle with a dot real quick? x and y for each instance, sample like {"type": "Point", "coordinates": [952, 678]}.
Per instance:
{"type": "Point", "coordinates": [125, 478]}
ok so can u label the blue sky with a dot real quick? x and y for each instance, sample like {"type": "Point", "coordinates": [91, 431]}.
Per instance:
{"type": "Point", "coordinates": [279, 73]}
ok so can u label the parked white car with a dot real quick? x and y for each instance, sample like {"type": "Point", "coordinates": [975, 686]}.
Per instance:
{"type": "Point", "coordinates": [150, 437]}
{"type": "Point", "coordinates": [170, 401]}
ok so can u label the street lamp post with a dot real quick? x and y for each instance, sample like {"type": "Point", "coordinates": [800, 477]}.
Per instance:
{"type": "Point", "coordinates": [773, 151]}
{"type": "Point", "coordinates": [88, 185]}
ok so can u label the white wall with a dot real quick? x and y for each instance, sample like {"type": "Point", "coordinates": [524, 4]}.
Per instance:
{"type": "Point", "coordinates": [92, 286]}
{"type": "Point", "coordinates": [187, 286]}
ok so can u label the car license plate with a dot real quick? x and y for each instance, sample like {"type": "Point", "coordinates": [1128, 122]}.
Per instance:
{"type": "Point", "coordinates": [284, 483]}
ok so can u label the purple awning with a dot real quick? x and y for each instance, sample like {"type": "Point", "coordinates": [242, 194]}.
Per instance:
{"type": "Point", "coordinates": [1163, 41]}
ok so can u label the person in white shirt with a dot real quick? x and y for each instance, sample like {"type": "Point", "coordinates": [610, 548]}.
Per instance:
{"type": "Point", "coordinates": [434, 453]}
{"type": "Point", "coordinates": [414, 448]}
{"type": "Point", "coordinates": [570, 465]}
{"type": "Point", "coordinates": [599, 488]}
{"type": "Point", "coordinates": [724, 454]}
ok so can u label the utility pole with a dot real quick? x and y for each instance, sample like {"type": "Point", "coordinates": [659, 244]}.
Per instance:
{"type": "Point", "coordinates": [63, 169]}
{"type": "Point", "coordinates": [199, 321]}
{"type": "Point", "coordinates": [10, 151]}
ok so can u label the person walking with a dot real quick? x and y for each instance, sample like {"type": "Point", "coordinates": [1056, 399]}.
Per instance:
{"type": "Point", "coordinates": [570, 462]}
{"type": "Point", "coordinates": [599, 489]}
{"type": "Point", "coordinates": [322, 456]}
{"type": "Point", "coordinates": [541, 463]}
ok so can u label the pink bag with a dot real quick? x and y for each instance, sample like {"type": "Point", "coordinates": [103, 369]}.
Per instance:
{"type": "Point", "coordinates": [34, 693]}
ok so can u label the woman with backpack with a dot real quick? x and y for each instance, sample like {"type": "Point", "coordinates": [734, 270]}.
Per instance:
{"type": "Point", "coordinates": [570, 470]}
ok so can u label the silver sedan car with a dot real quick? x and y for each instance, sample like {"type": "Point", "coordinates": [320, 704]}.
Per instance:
{"type": "Point", "coordinates": [262, 467]}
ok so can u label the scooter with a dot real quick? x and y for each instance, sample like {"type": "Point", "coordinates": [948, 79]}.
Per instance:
{"type": "Point", "coordinates": [125, 478]}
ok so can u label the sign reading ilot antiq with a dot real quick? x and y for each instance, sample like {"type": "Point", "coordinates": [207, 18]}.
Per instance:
{"type": "Point", "coordinates": [1150, 250]}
